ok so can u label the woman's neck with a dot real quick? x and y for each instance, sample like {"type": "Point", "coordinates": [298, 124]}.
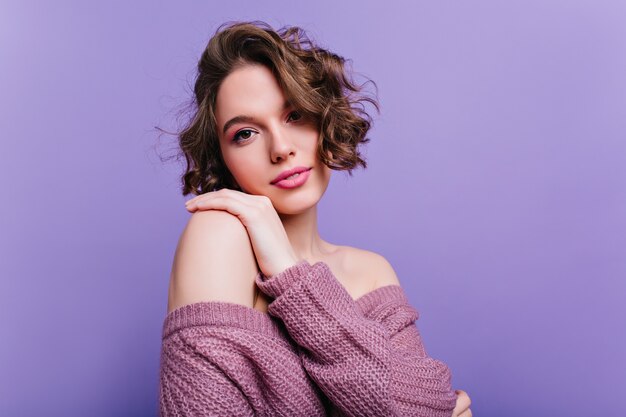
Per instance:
{"type": "Point", "coordinates": [304, 236]}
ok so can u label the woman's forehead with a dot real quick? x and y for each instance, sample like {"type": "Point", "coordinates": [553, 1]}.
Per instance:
{"type": "Point", "coordinates": [249, 86]}
{"type": "Point", "coordinates": [249, 90]}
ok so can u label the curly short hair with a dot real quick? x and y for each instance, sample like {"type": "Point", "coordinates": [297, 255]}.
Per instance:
{"type": "Point", "coordinates": [314, 81]}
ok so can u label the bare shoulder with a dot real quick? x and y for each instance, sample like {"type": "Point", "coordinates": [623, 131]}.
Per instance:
{"type": "Point", "coordinates": [214, 261]}
{"type": "Point", "coordinates": [375, 268]}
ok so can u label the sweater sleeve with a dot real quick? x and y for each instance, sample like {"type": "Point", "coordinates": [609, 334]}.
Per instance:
{"type": "Point", "coordinates": [225, 359]}
{"type": "Point", "coordinates": [372, 365]}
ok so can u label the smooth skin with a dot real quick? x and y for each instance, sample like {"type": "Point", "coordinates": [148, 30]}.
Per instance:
{"type": "Point", "coordinates": [462, 404]}
{"type": "Point", "coordinates": [281, 224]}
{"type": "Point", "coordinates": [269, 240]}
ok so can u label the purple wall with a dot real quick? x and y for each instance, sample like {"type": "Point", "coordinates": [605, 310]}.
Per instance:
{"type": "Point", "coordinates": [496, 187]}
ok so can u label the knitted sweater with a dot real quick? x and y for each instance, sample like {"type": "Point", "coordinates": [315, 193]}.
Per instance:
{"type": "Point", "coordinates": [316, 352]}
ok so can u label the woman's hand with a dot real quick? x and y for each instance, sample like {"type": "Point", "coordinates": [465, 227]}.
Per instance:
{"type": "Point", "coordinates": [462, 405]}
{"type": "Point", "coordinates": [270, 243]}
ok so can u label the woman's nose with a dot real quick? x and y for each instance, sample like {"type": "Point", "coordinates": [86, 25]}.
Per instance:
{"type": "Point", "coordinates": [281, 145]}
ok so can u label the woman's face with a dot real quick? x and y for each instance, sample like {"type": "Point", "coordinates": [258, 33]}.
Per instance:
{"type": "Point", "coordinates": [261, 136]}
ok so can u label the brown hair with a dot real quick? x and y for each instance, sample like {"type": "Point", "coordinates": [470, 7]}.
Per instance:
{"type": "Point", "coordinates": [313, 80]}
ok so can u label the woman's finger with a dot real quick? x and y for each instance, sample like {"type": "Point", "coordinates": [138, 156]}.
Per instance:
{"type": "Point", "coordinates": [462, 404]}
{"type": "Point", "coordinates": [200, 197]}
{"type": "Point", "coordinates": [195, 202]}
{"type": "Point", "coordinates": [249, 199]}
{"type": "Point", "coordinates": [231, 205]}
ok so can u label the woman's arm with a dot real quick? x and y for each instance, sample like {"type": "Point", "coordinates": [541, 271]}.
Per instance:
{"type": "Point", "coordinates": [196, 378]}
{"type": "Point", "coordinates": [219, 356]}
{"type": "Point", "coordinates": [224, 359]}
{"type": "Point", "coordinates": [371, 365]}
{"type": "Point", "coordinates": [213, 262]}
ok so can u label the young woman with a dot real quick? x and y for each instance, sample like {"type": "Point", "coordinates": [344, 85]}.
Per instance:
{"type": "Point", "coordinates": [265, 317]}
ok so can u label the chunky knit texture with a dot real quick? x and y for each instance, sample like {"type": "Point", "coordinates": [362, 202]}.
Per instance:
{"type": "Point", "coordinates": [316, 352]}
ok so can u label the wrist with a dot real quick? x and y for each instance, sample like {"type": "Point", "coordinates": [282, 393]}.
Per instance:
{"type": "Point", "coordinates": [280, 267]}
{"type": "Point", "coordinates": [288, 263]}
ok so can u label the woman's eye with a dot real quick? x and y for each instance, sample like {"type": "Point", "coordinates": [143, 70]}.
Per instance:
{"type": "Point", "coordinates": [298, 116]}
{"type": "Point", "coordinates": [245, 134]}
{"type": "Point", "coordinates": [242, 135]}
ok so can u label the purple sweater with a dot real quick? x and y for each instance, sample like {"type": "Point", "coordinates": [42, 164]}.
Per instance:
{"type": "Point", "coordinates": [316, 352]}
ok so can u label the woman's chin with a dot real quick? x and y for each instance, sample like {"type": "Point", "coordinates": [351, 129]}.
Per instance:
{"type": "Point", "coordinates": [294, 206]}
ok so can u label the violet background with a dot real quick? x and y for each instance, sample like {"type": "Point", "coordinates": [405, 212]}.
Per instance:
{"type": "Point", "coordinates": [496, 187]}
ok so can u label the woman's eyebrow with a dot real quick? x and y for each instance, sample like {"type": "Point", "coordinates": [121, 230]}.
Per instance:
{"type": "Point", "coordinates": [242, 118]}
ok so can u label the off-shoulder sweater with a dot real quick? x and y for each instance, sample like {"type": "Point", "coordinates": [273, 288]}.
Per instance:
{"type": "Point", "coordinates": [316, 352]}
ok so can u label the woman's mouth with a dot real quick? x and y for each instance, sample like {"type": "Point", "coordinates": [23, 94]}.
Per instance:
{"type": "Point", "coordinates": [294, 180]}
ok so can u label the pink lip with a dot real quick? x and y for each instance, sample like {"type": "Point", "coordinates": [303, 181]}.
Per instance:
{"type": "Point", "coordinates": [287, 173]}
{"type": "Point", "coordinates": [294, 182]}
